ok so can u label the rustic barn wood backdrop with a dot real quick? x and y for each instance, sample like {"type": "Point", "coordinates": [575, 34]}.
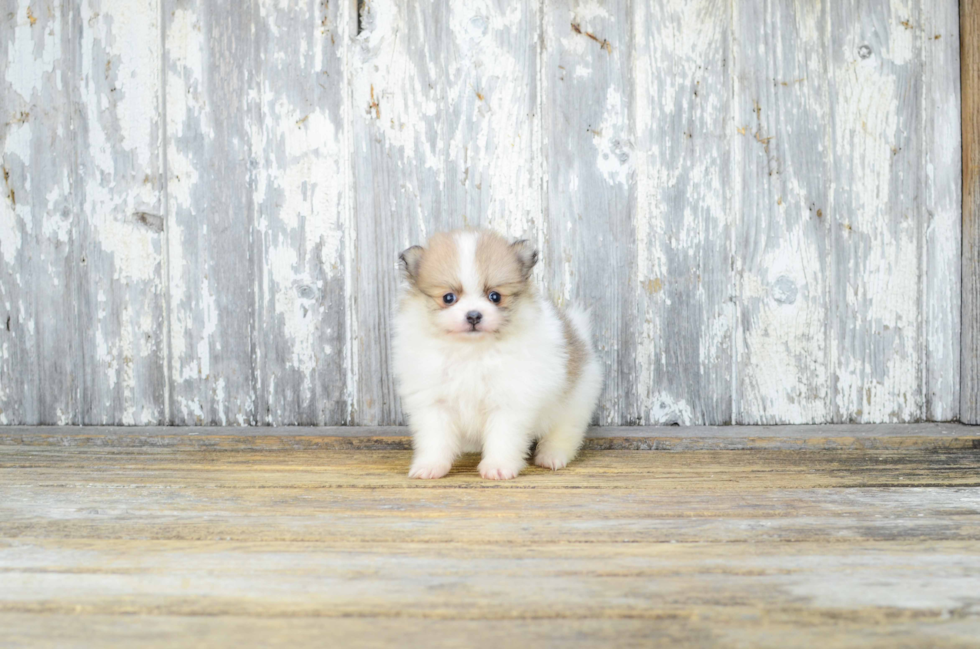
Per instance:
{"type": "Point", "coordinates": [203, 200]}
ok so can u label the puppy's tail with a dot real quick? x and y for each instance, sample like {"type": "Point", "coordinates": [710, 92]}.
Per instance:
{"type": "Point", "coordinates": [581, 320]}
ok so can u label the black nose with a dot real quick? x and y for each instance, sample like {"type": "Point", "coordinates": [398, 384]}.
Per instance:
{"type": "Point", "coordinates": [473, 317]}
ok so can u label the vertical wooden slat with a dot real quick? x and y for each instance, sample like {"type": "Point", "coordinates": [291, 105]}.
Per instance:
{"type": "Point", "coordinates": [875, 211]}
{"type": "Point", "coordinates": [683, 282]}
{"type": "Point", "coordinates": [493, 129]}
{"type": "Point", "coordinates": [940, 215]}
{"type": "Point", "coordinates": [398, 123]}
{"type": "Point", "coordinates": [211, 211]}
{"type": "Point", "coordinates": [40, 359]}
{"type": "Point", "coordinates": [970, 340]}
{"type": "Point", "coordinates": [118, 197]}
{"type": "Point", "coordinates": [588, 149]}
{"type": "Point", "coordinates": [782, 130]}
{"type": "Point", "coordinates": [299, 194]}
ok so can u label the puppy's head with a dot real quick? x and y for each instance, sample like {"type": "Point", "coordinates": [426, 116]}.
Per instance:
{"type": "Point", "coordinates": [469, 281]}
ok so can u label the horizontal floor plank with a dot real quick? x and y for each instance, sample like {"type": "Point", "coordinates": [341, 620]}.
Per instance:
{"type": "Point", "coordinates": [702, 470]}
{"type": "Point", "coordinates": [22, 631]}
{"type": "Point", "coordinates": [811, 582]}
{"type": "Point", "coordinates": [664, 438]}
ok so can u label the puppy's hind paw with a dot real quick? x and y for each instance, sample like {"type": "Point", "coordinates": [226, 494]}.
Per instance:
{"type": "Point", "coordinates": [551, 460]}
{"type": "Point", "coordinates": [493, 471]}
{"type": "Point", "coordinates": [429, 470]}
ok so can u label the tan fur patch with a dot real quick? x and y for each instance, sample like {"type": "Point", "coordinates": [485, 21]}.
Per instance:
{"type": "Point", "coordinates": [497, 264]}
{"type": "Point", "coordinates": [575, 347]}
{"type": "Point", "coordinates": [439, 268]}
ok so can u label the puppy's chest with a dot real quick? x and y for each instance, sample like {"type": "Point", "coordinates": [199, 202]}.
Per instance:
{"type": "Point", "coordinates": [468, 382]}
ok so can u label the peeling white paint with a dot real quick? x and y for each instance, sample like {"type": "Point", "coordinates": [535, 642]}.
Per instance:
{"type": "Point", "coordinates": [186, 45]}
{"type": "Point", "coordinates": [682, 213]}
{"type": "Point", "coordinates": [589, 10]}
{"type": "Point", "coordinates": [664, 408]}
{"type": "Point", "coordinates": [612, 141]}
{"type": "Point", "coordinates": [133, 63]}
{"type": "Point", "coordinates": [209, 313]}
{"type": "Point", "coordinates": [28, 63]}
{"type": "Point", "coordinates": [902, 32]}
{"type": "Point", "coordinates": [118, 132]}
{"type": "Point", "coordinates": [942, 309]}
{"type": "Point", "coordinates": [15, 217]}
{"type": "Point", "coordinates": [300, 192]}
{"type": "Point", "coordinates": [492, 136]}
{"type": "Point", "coordinates": [877, 370]}
{"type": "Point", "coordinates": [11, 224]}
{"type": "Point", "coordinates": [393, 95]}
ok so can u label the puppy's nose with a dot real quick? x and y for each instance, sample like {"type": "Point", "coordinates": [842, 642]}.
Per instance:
{"type": "Point", "coordinates": [474, 317]}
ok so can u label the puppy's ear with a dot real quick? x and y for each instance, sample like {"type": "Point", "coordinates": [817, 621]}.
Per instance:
{"type": "Point", "coordinates": [526, 254]}
{"type": "Point", "coordinates": [409, 262]}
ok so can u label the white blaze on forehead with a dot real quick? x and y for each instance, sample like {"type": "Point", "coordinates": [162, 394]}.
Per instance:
{"type": "Point", "coordinates": [468, 274]}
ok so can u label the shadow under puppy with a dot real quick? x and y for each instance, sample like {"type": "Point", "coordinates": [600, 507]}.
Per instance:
{"type": "Point", "coordinates": [484, 363]}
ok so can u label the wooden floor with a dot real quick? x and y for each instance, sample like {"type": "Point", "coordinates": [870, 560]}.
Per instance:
{"type": "Point", "coordinates": [838, 536]}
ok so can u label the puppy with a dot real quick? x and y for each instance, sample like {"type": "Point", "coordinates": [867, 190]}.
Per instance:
{"type": "Point", "coordinates": [484, 363]}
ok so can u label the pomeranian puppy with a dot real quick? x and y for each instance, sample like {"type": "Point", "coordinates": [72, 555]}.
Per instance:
{"type": "Point", "coordinates": [484, 363]}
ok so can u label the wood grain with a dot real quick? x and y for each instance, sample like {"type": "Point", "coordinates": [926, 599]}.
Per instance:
{"type": "Point", "coordinates": [782, 124]}
{"type": "Point", "coordinates": [211, 214]}
{"type": "Point", "coordinates": [941, 209]}
{"type": "Point", "coordinates": [297, 131]}
{"type": "Point", "coordinates": [111, 545]}
{"type": "Point", "coordinates": [970, 340]}
{"type": "Point", "coordinates": [683, 222]}
{"type": "Point", "coordinates": [23, 630]}
{"type": "Point", "coordinates": [588, 251]}
{"type": "Point", "coordinates": [399, 162]}
{"type": "Point", "coordinates": [934, 437]}
{"type": "Point", "coordinates": [875, 212]}
{"type": "Point", "coordinates": [493, 126]}
{"type": "Point", "coordinates": [118, 193]}
{"type": "Point", "coordinates": [40, 256]}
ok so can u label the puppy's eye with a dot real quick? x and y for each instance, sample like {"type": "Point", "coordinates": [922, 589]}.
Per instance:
{"type": "Point", "coordinates": [449, 298]}
{"type": "Point", "coordinates": [494, 297]}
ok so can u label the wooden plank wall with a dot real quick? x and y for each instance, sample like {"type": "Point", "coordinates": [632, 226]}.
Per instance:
{"type": "Point", "coordinates": [203, 201]}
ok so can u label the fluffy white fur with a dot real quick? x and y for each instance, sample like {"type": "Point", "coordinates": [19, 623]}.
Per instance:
{"type": "Point", "coordinates": [495, 390]}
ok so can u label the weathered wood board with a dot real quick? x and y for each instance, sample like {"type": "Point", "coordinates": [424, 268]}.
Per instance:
{"type": "Point", "coordinates": [118, 212]}
{"type": "Point", "coordinates": [683, 219]}
{"type": "Point", "coordinates": [783, 241]}
{"type": "Point", "coordinates": [40, 341]}
{"type": "Point", "coordinates": [970, 350]}
{"type": "Point", "coordinates": [104, 545]}
{"type": "Point", "coordinates": [827, 437]}
{"type": "Point", "coordinates": [300, 188]}
{"type": "Point", "coordinates": [941, 222]}
{"type": "Point", "coordinates": [203, 201]}
{"type": "Point", "coordinates": [588, 253]}
{"type": "Point", "coordinates": [211, 216]}
{"type": "Point", "coordinates": [875, 323]}
{"type": "Point", "coordinates": [670, 630]}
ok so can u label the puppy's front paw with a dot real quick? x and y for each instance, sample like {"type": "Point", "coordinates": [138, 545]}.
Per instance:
{"type": "Point", "coordinates": [498, 471]}
{"type": "Point", "coordinates": [549, 459]}
{"type": "Point", "coordinates": [429, 470]}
